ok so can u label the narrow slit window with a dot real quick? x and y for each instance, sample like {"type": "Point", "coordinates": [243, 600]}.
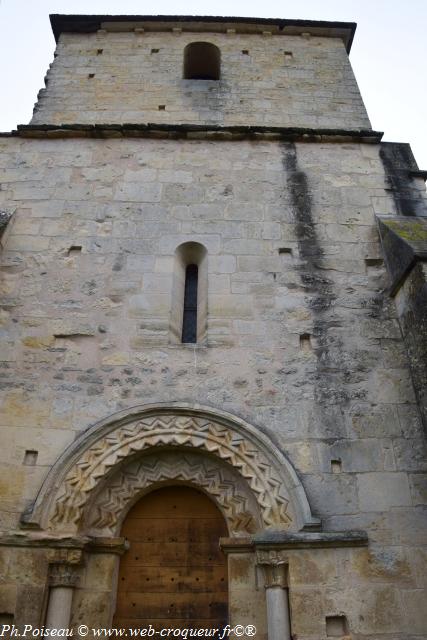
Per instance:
{"type": "Point", "coordinates": [189, 321]}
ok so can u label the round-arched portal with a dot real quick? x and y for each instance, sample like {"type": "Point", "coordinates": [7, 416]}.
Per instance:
{"type": "Point", "coordinates": [174, 574]}
{"type": "Point", "coordinates": [80, 481]}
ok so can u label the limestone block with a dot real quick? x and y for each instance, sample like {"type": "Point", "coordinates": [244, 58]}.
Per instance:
{"type": "Point", "coordinates": [29, 603]}
{"type": "Point", "coordinates": [369, 611]}
{"type": "Point", "coordinates": [230, 306]}
{"type": "Point", "coordinates": [159, 283]}
{"type": "Point", "coordinates": [408, 526]}
{"type": "Point", "coordinates": [222, 264]}
{"type": "Point", "coordinates": [19, 409]}
{"type": "Point", "coordinates": [70, 327]}
{"type": "Point", "coordinates": [365, 421]}
{"type": "Point", "coordinates": [93, 605]}
{"type": "Point", "coordinates": [418, 560]}
{"type": "Point", "coordinates": [137, 192]}
{"type": "Point", "coordinates": [219, 284]}
{"type": "Point", "coordinates": [117, 358]}
{"type": "Point", "coordinates": [333, 494]}
{"type": "Point", "coordinates": [259, 263]}
{"type": "Point", "coordinates": [414, 610]}
{"type": "Point", "coordinates": [303, 599]}
{"type": "Point", "coordinates": [175, 176]}
{"type": "Point", "coordinates": [418, 484]}
{"type": "Point", "coordinates": [382, 491]}
{"type": "Point", "coordinates": [410, 420]}
{"type": "Point", "coordinates": [150, 304]}
{"type": "Point", "coordinates": [410, 454]}
{"type": "Point", "coordinates": [357, 455]}
{"type": "Point", "coordinates": [246, 598]}
{"type": "Point", "coordinates": [8, 592]}
{"type": "Point", "coordinates": [308, 568]}
{"type": "Point", "coordinates": [303, 455]}
{"type": "Point", "coordinates": [99, 571]}
{"type": "Point", "coordinates": [27, 243]}
{"type": "Point", "coordinates": [392, 385]}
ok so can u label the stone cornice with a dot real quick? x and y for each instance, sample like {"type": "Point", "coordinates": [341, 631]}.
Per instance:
{"type": "Point", "coordinates": [42, 540]}
{"type": "Point", "coordinates": [75, 544]}
{"type": "Point", "coordinates": [214, 24]}
{"type": "Point", "coordinates": [271, 540]}
{"type": "Point", "coordinates": [309, 539]}
{"type": "Point", "coordinates": [196, 132]}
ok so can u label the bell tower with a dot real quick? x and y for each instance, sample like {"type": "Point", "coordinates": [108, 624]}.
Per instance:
{"type": "Point", "coordinates": [213, 356]}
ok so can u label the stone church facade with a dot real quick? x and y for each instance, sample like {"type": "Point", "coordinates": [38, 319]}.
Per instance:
{"type": "Point", "coordinates": [213, 324]}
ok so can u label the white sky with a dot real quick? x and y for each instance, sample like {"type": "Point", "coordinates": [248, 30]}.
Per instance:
{"type": "Point", "coordinates": [388, 53]}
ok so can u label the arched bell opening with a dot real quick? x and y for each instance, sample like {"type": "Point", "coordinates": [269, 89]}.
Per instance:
{"type": "Point", "coordinates": [202, 61]}
{"type": "Point", "coordinates": [174, 573]}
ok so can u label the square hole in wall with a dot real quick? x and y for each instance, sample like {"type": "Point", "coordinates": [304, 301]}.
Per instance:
{"type": "Point", "coordinates": [305, 342]}
{"type": "Point", "coordinates": [336, 626]}
{"type": "Point", "coordinates": [374, 262]}
{"type": "Point", "coordinates": [30, 457]}
{"type": "Point", "coordinates": [336, 466]}
{"type": "Point", "coordinates": [99, 52]}
{"type": "Point", "coordinates": [162, 107]}
{"type": "Point", "coordinates": [75, 249]}
{"type": "Point", "coordinates": [245, 52]}
{"type": "Point", "coordinates": [289, 54]}
{"type": "Point", "coordinates": [6, 618]}
{"type": "Point", "coordinates": [154, 51]}
{"type": "Point", "coordinates": [91, 75]}
{"type": "Point", "coordinates": [285, 250]}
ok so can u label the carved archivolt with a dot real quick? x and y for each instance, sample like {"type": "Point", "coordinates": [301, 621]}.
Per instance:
{"type": "Point", "coordinates": [96, 468]}
{"type": "Point", "coordinates": [105, 514]}
{"type": "Point", "coordinates": [167, 431]}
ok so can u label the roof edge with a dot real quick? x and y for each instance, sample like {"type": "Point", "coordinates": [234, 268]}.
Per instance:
{"type": "Point", "coordinates": [84, 23]}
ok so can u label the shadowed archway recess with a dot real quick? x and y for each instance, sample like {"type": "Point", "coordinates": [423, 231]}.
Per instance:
{"type": "Point", "coordinates": [202, 61]}
{"type": "Point", "coordinates": [91, 467]}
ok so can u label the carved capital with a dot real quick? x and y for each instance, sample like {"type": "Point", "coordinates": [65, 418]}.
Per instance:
{"type": "Point", "coordinates": [275, 568]}
{"type": "Point", "coordinates": [63, 575]}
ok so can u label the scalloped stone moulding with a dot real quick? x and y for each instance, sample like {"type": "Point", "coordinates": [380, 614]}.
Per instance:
{"type": "Point", "coordinates": [96, 480]}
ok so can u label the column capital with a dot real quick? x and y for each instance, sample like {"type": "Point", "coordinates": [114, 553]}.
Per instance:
{"type": "Point", "coordinates": [274, 564]}
{"type": "Point", "coordinates": [62, 574]}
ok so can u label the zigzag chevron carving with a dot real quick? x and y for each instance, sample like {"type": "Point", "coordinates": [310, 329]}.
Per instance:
{"type": "Point", "coordinates": [172, 431]}
{"type": "Point", "coordinates": [114, 501]}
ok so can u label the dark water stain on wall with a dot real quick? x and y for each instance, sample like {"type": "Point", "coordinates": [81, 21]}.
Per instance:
{"type": "Point", "coordinates": [398, 162]}
{"type": "Point", "coordinates": [331, 370]}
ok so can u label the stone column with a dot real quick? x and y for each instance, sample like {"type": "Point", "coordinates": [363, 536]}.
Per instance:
{"type": "Point", "coordinates": [62, 581]}
{"type": "Point", "coordinates": [275, 571]}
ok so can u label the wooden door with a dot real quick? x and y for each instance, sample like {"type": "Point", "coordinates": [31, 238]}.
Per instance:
{"type": "Point", "coordinates": [174, 574]}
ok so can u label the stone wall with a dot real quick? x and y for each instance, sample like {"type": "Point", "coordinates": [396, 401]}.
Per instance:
{"type": "Point", "coordinates": [278, 80]}
{"type": "Point", "coordinates": [302, 339]}
{"type": "Point", "coordinates": [404, 241]}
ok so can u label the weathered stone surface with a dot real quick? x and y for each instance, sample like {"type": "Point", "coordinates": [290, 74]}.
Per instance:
{"type": "Point", "coordinates": [279, 92]}
{"type": "Point", "coordinates": [302, 338]}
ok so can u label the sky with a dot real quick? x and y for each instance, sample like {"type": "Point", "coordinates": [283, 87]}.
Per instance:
{"type": "Point", "coordinates": [388, 54]}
